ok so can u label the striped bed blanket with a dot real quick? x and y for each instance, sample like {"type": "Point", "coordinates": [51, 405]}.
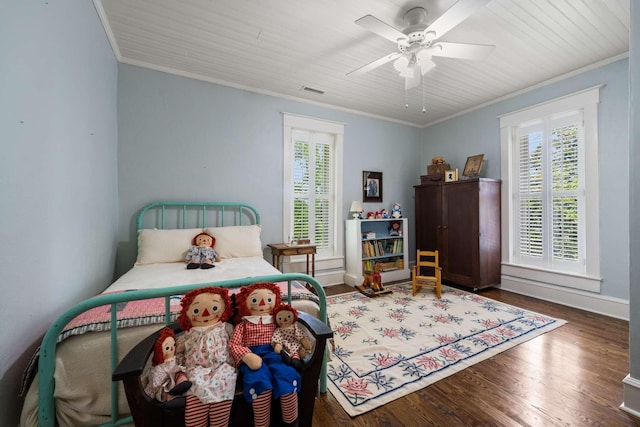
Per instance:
{"type": "Point", "coordinates": [150, 311]}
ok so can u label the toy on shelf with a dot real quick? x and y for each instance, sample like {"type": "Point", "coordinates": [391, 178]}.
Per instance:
{"type": "Point", "coordinates": [396, 212]}
{"type": "Point", "coordinates": [395, 229]}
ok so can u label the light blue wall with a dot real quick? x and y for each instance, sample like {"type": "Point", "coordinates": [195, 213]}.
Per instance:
{"type": "Point", "coordinates": [478, 132]}
{"type": "Point", "coordinates": [184, 139]}
{"type": "Point", "coordinates": [58, 174]}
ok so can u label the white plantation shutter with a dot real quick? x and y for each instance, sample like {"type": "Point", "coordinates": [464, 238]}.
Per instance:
{"type": "Point", "coordinates": [312, 189]}
{"type": "Point", "coordinates": [550, 196]}
{"type": "Point", "coordinates": [530, 226]}
{"type": "Point", "coordinates": [301, 177]}
{"type": "Point", "coordinates": [550, 205]}
{"type": "Point", "coordinates": [323, 192]}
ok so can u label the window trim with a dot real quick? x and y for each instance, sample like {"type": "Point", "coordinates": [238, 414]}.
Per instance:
{"type": "Point", "coordinates": [587, 101]}
{"type": "Point", "coordinates": [294, 121]}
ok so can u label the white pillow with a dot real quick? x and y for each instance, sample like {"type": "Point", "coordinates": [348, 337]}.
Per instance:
{"type": "Point", "coordinates": [157, 246]}
{"type": "Point", "coordinates": [237, 241]}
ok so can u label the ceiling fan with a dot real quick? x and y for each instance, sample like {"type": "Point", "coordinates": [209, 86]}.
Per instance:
{"type": "Point", "coordinates": [418, 43]}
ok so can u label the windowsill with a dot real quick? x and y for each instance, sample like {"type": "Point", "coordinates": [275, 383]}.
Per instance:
{"type": "Point", "coordinates": [549, 277]}
{"type": "Point", "coordinates": [322, 262]}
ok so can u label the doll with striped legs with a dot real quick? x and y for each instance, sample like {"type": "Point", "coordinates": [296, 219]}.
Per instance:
{"type": "Point", "coordinates": [204, 347]}
{"type": "Point", "coordinates": [264, 375]}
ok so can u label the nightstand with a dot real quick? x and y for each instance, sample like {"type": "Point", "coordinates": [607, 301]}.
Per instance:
{"type": "Point", "coordinates": [278, 250]}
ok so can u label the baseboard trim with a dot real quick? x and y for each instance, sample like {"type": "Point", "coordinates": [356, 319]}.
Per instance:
{"type": "Point", "coordinates": [631, 403]}
{"type": "Point", "coordinates": [608, 306]}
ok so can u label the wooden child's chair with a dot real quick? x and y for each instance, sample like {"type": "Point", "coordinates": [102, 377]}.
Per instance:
{"type": "Point", "coordinates": [427, 262]}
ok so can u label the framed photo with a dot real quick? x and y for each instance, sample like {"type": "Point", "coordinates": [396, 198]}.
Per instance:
{"type": "Point", "coordinates": [473, 165]}
{"type": "Point", "coordinates": [451, 175]}
{"type": "Point", "coordinates": [372, 187]}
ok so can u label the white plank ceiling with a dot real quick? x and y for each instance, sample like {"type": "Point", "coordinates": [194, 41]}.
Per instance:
{"type": "Point", "coordinates": [277, 47]}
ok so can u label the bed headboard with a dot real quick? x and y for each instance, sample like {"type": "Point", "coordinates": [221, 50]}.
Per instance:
{"type": "Point", "coordinates": [176, 215]}
{"type": "Point", "coordinates": [165, 230]}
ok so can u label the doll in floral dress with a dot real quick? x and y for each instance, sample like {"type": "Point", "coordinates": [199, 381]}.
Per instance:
{"type": "Point", "coordinates": [289, 340]}
{"type": "Point", "coordinates": [204, 347]}
{"type": "Point", "coordinates": [167, 379]}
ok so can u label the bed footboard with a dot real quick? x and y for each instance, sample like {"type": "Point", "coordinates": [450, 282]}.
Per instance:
{"type": "Point", "coordinates": [148, 412]}
{"type": "Point", "coordinates": [46, 403]}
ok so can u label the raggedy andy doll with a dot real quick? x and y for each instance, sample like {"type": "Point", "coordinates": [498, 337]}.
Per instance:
{"type": "Point", "coordinates": [264, 375]}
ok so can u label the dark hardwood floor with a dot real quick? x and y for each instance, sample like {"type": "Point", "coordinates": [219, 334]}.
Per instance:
{"type": "Point", "coordinates": [571, 376]}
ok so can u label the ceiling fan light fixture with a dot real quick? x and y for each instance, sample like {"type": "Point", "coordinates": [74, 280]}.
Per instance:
{"type": "Point", "coordinates": [401, 64]}
{"type": "Point", "coordinates": [423, 58]}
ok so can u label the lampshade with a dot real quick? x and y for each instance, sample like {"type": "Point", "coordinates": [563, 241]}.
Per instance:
{"type": "Point", "coordinates": [424, 60]}
{"type": "Point", "coordinates": [356, 207]}
{"type": "Point", "coordinates": [401, 64]}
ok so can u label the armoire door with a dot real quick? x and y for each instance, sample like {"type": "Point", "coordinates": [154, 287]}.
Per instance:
{"type": "Point", "coordinates": [460, 233]}
{"type": "Point", "coordinates": [428, 216]}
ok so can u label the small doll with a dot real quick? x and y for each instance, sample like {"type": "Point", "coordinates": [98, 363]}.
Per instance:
{"type": "Point", "coordinates": [204, 347]}
{"type": "Point", "coordinates": [201, 253]}
{"type": "Point", "coordinates": [289, 340]}
{"type": "Point", "coordinates": [395, 229]}
{"type": "Point", "coordinates": [396, 212]}
{"type": "Point", "coordinates": [167, 379]}
{"type": "Point", "coordinates": [264, 374]}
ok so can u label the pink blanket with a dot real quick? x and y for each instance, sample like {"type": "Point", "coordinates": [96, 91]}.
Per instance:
{"type": "Point", "coordinates": [147, 312]}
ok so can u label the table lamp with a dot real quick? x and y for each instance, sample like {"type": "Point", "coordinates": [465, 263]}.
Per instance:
{"type": "Point", "coordinates": [356, 209]}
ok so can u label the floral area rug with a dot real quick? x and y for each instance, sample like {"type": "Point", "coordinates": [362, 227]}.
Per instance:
{"type": "Point", "coordinates": [389, 346]}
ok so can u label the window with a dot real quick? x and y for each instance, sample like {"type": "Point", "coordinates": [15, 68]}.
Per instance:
{"type": "Point", "coordinates": [550, 177]}
{"type": "Point", "coordinates": [312, 183]}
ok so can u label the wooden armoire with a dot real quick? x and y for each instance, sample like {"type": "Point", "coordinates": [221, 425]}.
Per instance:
{"type": "Point", "coordinates": [461, 220]}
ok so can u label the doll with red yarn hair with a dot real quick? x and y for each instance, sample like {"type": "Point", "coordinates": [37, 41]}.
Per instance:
{"type": "Point", "coordinates": [264, 375]}
{"type": "Point", "coordinates": [201, 253]}
{"type": "Point", "coordinates": [204, 347]}
{"type": "Point", "coordinates": [167, 379]}
{"type": "Point", "coordinates": [289, 340]}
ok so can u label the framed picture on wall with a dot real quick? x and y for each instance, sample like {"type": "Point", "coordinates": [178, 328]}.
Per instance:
{"type": "Point", "coordinates": [372, 187]}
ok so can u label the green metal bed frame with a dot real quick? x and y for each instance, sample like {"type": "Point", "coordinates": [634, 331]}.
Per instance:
{"type": "Point", "coordinates": [46, 366]}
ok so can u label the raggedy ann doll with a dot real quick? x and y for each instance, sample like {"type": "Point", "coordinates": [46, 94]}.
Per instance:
{"type": "Point", "coordinates": [264, 374]}
{"type": "Point", "coordinates": [289, 340]}
{"type": "Point", "coordinates": [201, 253]}
{"type": "Point", "coordinates": [204, 347]}
{"type": "Point", "coordinates": [167, 379]}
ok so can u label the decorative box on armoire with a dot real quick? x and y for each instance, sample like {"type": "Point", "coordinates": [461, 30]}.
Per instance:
{"type": "Point", "coordinates": [461, 220]}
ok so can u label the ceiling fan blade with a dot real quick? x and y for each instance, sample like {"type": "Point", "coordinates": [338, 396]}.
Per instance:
{"type": "Point", "coordinates": [461, 50]}
{"type": "Point", "coordinates": [380, 28]}
{"type": "Point", "coordinates": [452, 17]}
{"type": "Point", "coordinates": [375, 64]}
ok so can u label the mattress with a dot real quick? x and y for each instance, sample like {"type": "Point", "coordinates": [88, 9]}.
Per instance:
{"type": "Point", "coordinates": [151, 276]}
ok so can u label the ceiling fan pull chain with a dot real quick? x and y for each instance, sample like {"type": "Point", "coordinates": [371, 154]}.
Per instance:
{"type": "Point", "coordinates": [406, 97]}
{"type": "Point", "coordinates": [424, 110]}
